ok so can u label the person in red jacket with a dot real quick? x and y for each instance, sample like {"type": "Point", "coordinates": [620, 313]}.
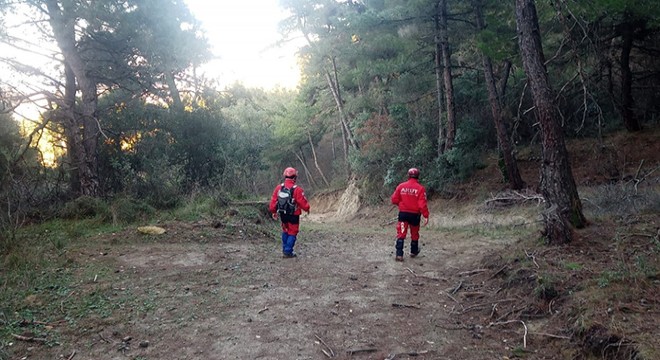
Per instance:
{"type": "Point", "coordinates": [410, 196]}
{"type": "Point", "coordinates": [288, 202]}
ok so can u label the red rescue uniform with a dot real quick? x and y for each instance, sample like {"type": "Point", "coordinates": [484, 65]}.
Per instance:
{"type": "Point", "coordinates": [290, 223]}
{"type": "Point", "coordinates": [410, 197]}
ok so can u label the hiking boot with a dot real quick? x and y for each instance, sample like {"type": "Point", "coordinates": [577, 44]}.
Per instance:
{"type": "Point", "coordinates": [289, 255]}
{"type": "Point", "coordinates": [399, 258]}
{"type": "Point", "coordinates": [414, 248]}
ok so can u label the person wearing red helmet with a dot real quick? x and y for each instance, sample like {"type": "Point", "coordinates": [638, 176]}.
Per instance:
{"type": "Point", "coordinates": [288, 202]}
{"type": "Point", "coordinates": [410, 197]}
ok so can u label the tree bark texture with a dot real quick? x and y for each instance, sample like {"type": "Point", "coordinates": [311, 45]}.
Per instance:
{"type": "Point", "coordinates": [449, 86]}
{"type": "Point", "coordinates": [69, 121]}
{"type": "Point", "coordinates": [627, 30]}
{"type": "Point", "coordinates": [177, 104]}
{"type": "Point", "coordinates": [557, 182]}
{"type": "Point", "coordinates": [438, 86]}
{"type": "Point", "coordinates": [512, 173]}
{"type": "Point", "coordinates": [62, 21]}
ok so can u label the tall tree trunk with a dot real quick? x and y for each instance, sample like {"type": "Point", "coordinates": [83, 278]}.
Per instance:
{"type": "Point", "coordinates": [316, 161]}
{"type": "Point", "coordinates": [62, 21]}
{"type": "Point", "coordinates": [72, 129]}
{"type": "Point", "coordinates": [627, 34]}
{"type": "Point", "coordinates": [557, 182]}
{"type": "Point", "coordinates": [344, 140]}
{"type": "Point", "coordinates": [449, 86]}
{"type": "Point", "coordinates": [504, 80]}
{"type": "Point", "coordinates": [177, 104]}
{"type": "Point", "coordinates": [438, 85]}
{"type": "Point", "coordinates": [512, 173]}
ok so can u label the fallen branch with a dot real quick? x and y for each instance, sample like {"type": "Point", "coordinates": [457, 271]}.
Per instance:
{"type": "Point", "coordinates": [28, 338]}
{"type": "Point", "coordinates": [551, 335]}
{"type": "Point", "coordinates": [262, 310]}
{"type": "Point", "coordinates": [357, 351]}
{"type": "Point", "coordinates": [474, 294]}
{"type": "Point", "coordinates": [409, 353]}
{"type": "Point", "coordinates": [405, 306]}
{"type": "Point", "coordinates": [472, 272]}
{"type": "Point", "coordinates": [330, 352]}
{"type": "Point", "coordinates": [457, 288]}
{"type": "Point", "coordinates": [498, 271]}
{"type": "Point", "coordinates": [451, 297]}
{"type": "Point", "coordinates": [72, 355]}
{"type": "Point", "coordinates": [477, 306]}
{"type": "Point", "coordinates": [514, 197]}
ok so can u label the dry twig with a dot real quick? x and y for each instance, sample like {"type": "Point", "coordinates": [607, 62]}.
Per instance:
{"type": "Point", "coordinates": [412, 272]}
{"type": "Point", "coordinates": [531, 256]}
{"type": "Point", "coordinates": [330, 352]}
{"type": "Point", "coordinates": [409, 353]}
{"type": "Point", "coordinates": [472, 272]}
{"type": "Point", "coordinates": [405, 306]}
{"type": "Point", "coordinates": [457, 288]}
{"type": "Point", "coordinates": [551, 335]}
{"type": "Point", "coordinates": [357, 351]}
{"type": "Point", "coordinates": [28, 338]}
{"type": "Point", "coordinates": [451, 297]}
{"type": "Point", "coordinates": [498, 271]}
{"type": "Point", "coordinates": [477, 306]}
{"type": "Point", "coordinates": [512, 321]}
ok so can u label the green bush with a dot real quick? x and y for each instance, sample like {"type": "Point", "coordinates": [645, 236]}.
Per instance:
{"type": "Point", "coordinates": [127, 210]}
{"type": "Point", "coordinates": [85, 207]}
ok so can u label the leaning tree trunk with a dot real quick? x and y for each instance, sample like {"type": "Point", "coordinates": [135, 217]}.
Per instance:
{"type": "Point", "coordinates": [449, 86]}
{"type": "Point", "coordinates": [301, 157]}
{"type": "Point", "coordinates": [62, 22]}
{"type": "Point", "coordinates": [333, 84]}
{"type": "Point", "coordinates": [316, 160]}
{"type": "Point", "coordinates": [512, 173]}
{"type": "Point", "coordinates": [557, 182]}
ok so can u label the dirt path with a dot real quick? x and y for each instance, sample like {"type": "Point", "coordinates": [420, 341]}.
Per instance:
{"type": "Point", "coordinates": [203, 295]}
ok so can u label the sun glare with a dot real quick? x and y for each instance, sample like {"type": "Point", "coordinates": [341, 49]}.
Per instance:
{"type": "Point", "coordinates": [243, 36]}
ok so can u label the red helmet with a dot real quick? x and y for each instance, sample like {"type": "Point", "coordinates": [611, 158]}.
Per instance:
{"type": "Point", "coordinates": [413, 173]}
{"type": "Point", "coordinates": [290, 172]}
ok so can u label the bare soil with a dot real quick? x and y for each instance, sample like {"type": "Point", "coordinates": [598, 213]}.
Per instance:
{"type": "Point", "coordinates": [226, 293]}
{"type": "Point", "coordinates": [483, 287]}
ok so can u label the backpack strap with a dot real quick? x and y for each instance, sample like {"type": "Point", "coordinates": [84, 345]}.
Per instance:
{"type": "Point", "coordinates": [292, 188]}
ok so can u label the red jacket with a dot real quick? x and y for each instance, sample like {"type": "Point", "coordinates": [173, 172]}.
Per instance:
{"type": "Point", "coordinates": [410, 196]}
{"type": "Point", "coordinates": [298, 195]}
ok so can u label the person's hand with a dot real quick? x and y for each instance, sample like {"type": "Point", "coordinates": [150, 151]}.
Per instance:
{"type": "Point", "coordinates": [426, 221]}
{"type": "Point", "coordinates": [274, 216]}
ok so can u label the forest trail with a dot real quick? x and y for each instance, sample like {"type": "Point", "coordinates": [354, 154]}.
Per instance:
{"type": "Point", "coordinates": [204, 292]}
